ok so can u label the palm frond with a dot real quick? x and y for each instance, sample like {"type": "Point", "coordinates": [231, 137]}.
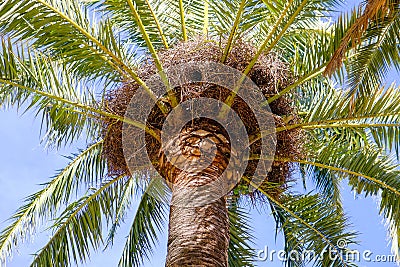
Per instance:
{"type": "Point", "coordinates": [232, 33]}
{"type": "Point", "coordinates": [240, 252]}
{"type": "Point", "coordinates": [326, 183]}
{"type": "Point", "coordinates": [374, 9]}
{"type": "Point", "coordinates": [139, 21]}
{"type": "Point", "coordinates": [151, 16]}
{"type": "Point", "coordinates": [64, 29]}
{"type": "Point", "coordinates": [292, 14]}
{"type": "Point", "coordinates": [314, 45]}
{"type": "Point", "coordinates": [79, 228]}
{"type": "Point", "coordinates": [32, 80]}
{"type": "Point", "coordinates": [370, 63]}
{"type": "Point", "coordinates": [318, 232]}
{"type": "Point", "coordinates": [84, 170]}
{"type": "Point", "coordinates": [369, 171]}
{"type": "Point", "coordinates": [148, 222]}
{"type": "Point", "coordinates": [375, 117]}
{"type": "Point", "coordinates": [269, 41]}
{"type": "Point", "coordinates": [222, 16]}
{"type": "Point", "coordinates": [296, 218]}
{"type": "Point", "coordinates": [67, 106]}
{"type": "Point", "coordinates": [151, 48]}
{"type": "Point", "coordinates": [124, 203]}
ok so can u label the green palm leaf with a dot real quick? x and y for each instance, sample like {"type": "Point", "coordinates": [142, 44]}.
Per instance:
{"type": "Point", "coordinates": [84, 170]}
{"type": "Point", "coordinates": [79, 227]}
{"type": "Point", "coordinates": [369, 172]}
{"type": "Point", "coordinates": [147, 224]}
{"type": "Point", "coordinates": [328, 229]}
{"type": "Point", "coordinates": [332, 113]}
{"type": "Point", "coordinates": [370, 64]}
{"type": "Point", "coordinates": [63, 29]}
{"type": "Point", "coordinates": [240, 251]}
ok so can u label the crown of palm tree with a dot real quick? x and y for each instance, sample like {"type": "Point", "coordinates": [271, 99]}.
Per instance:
{"type": "Point", "coordinates": [60, 58]}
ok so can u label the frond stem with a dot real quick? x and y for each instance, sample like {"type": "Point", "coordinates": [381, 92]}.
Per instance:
{"type": "Point", "coordinates": [303, 79]}
{"type": "Point", "coordinates": [335, 123]}
{"type": "Point", "coordinates": [151, 131]}
{"type": "Point", "coordinates": [206, 18]}
{"type": "Point", "coordinates": [182, 15]}
{"type": "Point", "coordinates": [153, 52]}
{"type": "Point", "coordinates": [233, 31]}
{"type": "Point", "coordinates": [333, 168]}
{"type": "Point", "coordinates": [164, 40]}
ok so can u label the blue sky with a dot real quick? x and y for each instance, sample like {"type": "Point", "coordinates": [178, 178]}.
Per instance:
{"type": "Point", "coordinates": [25, 163]}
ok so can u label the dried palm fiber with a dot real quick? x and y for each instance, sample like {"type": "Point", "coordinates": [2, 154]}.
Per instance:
{"type": "Point", "coordinates": [269, 73]}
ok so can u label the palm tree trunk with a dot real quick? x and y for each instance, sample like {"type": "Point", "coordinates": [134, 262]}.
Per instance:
{"type": "Point", "coordinates": [198, 233]}
{"type": "Point", "coordinates": [198, 236]}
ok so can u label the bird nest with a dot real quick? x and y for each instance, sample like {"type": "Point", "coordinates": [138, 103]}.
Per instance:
{"type": "Point", "coordinates": [269, 73]}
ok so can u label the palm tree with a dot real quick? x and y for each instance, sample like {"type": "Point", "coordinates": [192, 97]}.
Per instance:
{"type": "Point", "coordinates": [77, 62]}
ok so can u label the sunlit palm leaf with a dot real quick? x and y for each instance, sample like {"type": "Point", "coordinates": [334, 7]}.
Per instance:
{"type": "Point", "coordinates": [370, 173]}
{"type": "Point", "coordinates": [85, 170]}
{"type": "Point", "coordinates": [64, 29]}
{"type": "Point", "coordinates": [240, 251]}
{"type": "Point", "coordinates": [79, 228]}
{"type": "Point", "coordinates": [374, 11]}
{"type": "Point", "coordinates": [375, 118]}
{"type": "Point", "coordinates": [149, 221]}
{"type": "Point", "coordinates": [31, 80]}
{"type": "Point", "coordinates": [370, 64]}
{"type": "Point", "coordinates": [300, 239]}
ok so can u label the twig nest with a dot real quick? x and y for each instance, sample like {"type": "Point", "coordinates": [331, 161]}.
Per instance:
{"type": "Point", "coordinates": [269, 73]}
